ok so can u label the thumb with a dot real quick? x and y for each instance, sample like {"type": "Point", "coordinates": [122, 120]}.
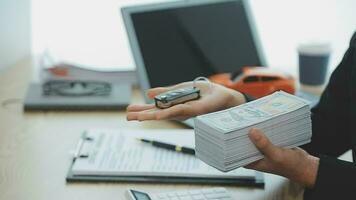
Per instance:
{"type": "Point", "coordinates": [151, 93]}
{"type": "Point", "coordinates": [263, 144]}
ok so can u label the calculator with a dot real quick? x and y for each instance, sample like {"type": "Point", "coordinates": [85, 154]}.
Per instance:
{"type": "Point", "coordinates": [216, 193]}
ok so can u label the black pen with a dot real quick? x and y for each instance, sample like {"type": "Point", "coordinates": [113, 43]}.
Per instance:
{"type": "Point", "coordinates": [172, 147]}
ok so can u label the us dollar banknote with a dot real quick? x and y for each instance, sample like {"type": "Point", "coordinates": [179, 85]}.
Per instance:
{"type": "Point", "coordinates": [253, 112]}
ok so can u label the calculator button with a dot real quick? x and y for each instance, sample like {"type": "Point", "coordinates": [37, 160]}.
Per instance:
{"type": "Point", "coordinates": [185, 198]}
{"type": "Point", "coordinates": [198, 197]}
{"type": "Point", "coordinates": [216, 195]}
{"type": "Point", "coordinates": [193, 192]}
{"type": "Point", "coordinates": [207, 191]}
{"type": "Point", "coordinates": [220, 190]}
{"type": "Point", "coordinates": [161, 196]}
{"type": "Point", "coordinates": [171, 194]}
{"type": "Point", "coordinates": [182, 193]}
{"type": "Point", "coordinates": [226, 198]}
{"type": "Point", "coordinates": [153, 196]}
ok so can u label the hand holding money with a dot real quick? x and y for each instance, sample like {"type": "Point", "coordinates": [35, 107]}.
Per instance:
{"type": "Point", "coordinates": [295, 164]}
{"type": "Point", "coordinates": [221, 138]}
{"type": "Point", "coordinates": [212, 99]}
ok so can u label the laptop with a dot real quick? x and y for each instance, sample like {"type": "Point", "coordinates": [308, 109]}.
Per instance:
{"type": "Point", "coordinates": [178, 41]}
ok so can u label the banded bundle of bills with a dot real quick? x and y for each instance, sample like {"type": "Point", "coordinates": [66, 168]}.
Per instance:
{"type": "Point", "coordinates": [221, 138]}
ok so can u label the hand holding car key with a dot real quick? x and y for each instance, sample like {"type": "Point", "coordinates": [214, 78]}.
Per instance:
{"type": "Point", "coordinates": [178, 96]}
{"type": "Point", "coordinates": [213, 97]}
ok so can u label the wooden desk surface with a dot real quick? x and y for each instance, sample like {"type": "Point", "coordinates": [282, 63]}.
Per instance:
{"type": "Point", "coordinates": [34, 150]}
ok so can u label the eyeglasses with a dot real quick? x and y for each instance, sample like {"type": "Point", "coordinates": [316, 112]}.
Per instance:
{"type": "Point", "coordinates": [76, 88]}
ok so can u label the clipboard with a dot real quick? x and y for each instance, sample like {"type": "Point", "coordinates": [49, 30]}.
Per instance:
{"type": "Point", "coordinates": [82, 153]}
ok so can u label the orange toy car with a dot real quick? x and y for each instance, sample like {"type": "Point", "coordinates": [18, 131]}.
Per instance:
{"type": "Point", "coordinates": [256, 81]}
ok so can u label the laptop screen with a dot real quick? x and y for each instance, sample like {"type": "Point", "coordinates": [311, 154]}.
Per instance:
{"type": "Point", "coordinates": [180, 44]}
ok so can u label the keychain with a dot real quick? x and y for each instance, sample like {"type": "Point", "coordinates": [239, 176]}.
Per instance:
{"type": "Point", "coordinates": [178, 96]}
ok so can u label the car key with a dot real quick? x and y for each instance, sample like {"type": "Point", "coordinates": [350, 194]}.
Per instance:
{"type": "Point", "coordinates": [174, 97]}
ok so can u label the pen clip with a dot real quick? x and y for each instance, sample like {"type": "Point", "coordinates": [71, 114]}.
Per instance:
{"type": "Point", "coordinates": [79, 146]}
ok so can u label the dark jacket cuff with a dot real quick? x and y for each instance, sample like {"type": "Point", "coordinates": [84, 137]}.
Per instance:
{"type": "Point", "coordinates": [335, 180]}
{"type": "Point", "coordinates": [248, 97]}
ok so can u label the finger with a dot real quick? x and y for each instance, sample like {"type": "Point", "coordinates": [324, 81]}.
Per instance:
{"type": "Point", "coordinates": [151, 93]}
{"type": "Point", "coordinates": [148, 115]}
{"type": "Point", "coordinates": [263, 144]}
{"type": "Point", "coordinates": [137, 107]}
{"type": "Point", "coordinates": [199, 106]}
{"type": "Point", "coordinates": [142, 116]}
{"type": "Point", "coordinates": [132, 116]}
{"type": "Point", "coordinates": [260, 165]}
{"type": "Point", "coordinates": [178, 111]}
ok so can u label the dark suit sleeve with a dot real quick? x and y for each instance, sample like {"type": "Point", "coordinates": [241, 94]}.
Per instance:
{"type": "Point", "coordinates": [330, 118]}
{"type": "Point", "coordinates": [336, 179]}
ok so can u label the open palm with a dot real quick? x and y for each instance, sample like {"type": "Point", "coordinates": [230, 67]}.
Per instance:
{"type": "Point", "coordinates": [213, 98]}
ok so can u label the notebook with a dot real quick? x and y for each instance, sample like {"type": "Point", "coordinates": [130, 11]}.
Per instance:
{"type": "Point", "coordinates": [117, 155]}
{"type": "Point", "coordinates": [119, 98]}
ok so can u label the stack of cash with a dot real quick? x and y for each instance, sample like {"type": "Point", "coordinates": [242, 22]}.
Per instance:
{"type": "Point", "coordinates": [221, 138]}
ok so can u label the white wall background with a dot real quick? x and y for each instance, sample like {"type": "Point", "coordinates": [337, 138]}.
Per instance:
{"type": "Point", "coordinates": [283, 24]}
{"type": "Point", "coordinates": [87, 32]}
{"type": "Point", "coordinates": [91, 32]}
{"type": "Point", "coordinates": [14, 31]}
